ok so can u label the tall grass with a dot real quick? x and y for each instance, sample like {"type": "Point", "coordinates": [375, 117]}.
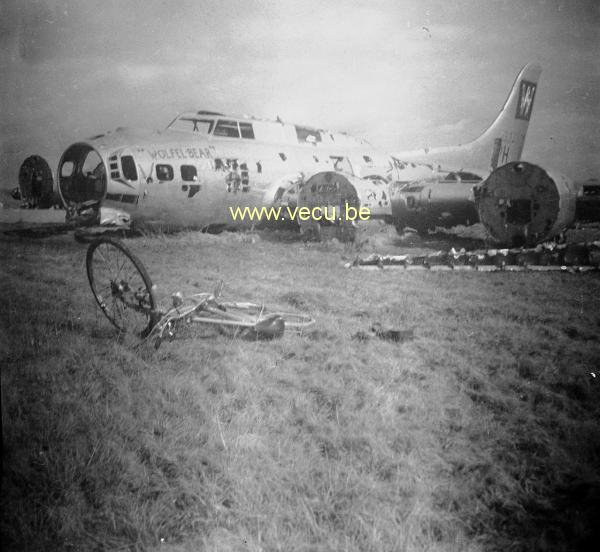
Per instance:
{"type": "Point", "coordinates": [480, 434]}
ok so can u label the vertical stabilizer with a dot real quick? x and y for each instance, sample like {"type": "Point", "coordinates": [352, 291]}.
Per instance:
{"type": "Point", "coordinates": [507, 133]}
{"type": "Point", "coordinates": [502, 142]}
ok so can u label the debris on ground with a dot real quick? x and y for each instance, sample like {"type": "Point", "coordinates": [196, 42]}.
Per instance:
{"type": "Point", "coordinates": [574, 257]}
{"type": "Point", "coordinates": [385, 333]}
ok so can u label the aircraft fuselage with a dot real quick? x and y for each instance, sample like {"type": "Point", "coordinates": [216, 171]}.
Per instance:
{"type": "Point", "coordinates": [193, 177]}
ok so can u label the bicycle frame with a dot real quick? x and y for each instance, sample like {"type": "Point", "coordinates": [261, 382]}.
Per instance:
{"type": "Point", "coordinates": [112, 267]}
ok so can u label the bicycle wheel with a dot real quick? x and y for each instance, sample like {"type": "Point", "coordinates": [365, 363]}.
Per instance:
{"type": "Point", "coordinates": [121, 286]}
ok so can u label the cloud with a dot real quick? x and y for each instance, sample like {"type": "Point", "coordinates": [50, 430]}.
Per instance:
{"type": "Point", "coordinates": [71, 68]}
{"type": "Point", "coordinates": [135, 74]}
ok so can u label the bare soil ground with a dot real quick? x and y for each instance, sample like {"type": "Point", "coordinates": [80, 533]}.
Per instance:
{"type": "Point", "coordinates": [481, 433]}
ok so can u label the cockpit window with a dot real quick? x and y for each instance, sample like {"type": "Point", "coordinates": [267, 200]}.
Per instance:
{"type": "Point", "coordinates": [193, 124]}
{"type": "Point", "coordinates": [227, 128]}
{"type": "Point", "coordinates": [128, 166]}
{"type": "Point", "coordinates": [247, 130]}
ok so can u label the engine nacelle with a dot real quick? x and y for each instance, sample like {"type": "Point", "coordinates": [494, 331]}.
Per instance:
{"type": "Point", "coordinates": [36, 185]}
{"type": "Point", "coordinates": [522, 204]}
{"type": "Point", "coordinates": [445, 201]}
{"type": "Point", "coordinates": [334, 200]}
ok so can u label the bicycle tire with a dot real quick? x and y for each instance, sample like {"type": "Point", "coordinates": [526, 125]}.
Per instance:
{"type": "Point", "coordinates": [123, 313]}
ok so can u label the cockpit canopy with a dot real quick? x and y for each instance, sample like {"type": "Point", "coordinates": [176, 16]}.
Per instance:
{"type": "Point", "coordinates": [217, 125]}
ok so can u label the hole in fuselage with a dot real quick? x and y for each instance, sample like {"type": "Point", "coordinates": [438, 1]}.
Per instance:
{"type": "Point", "coordinates": [81, 174]}
{"type": "Point", "coordinates": [518, 241]}
{"type": "Point", "coordinates": [519, 211]}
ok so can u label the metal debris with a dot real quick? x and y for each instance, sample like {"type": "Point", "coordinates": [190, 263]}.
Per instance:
{"type": "Point", "coordinates": [391, 334]}
{"type": "Point", "coordinates": [386, 333]}
{"type": "Point", "coordinates": [575, 257]}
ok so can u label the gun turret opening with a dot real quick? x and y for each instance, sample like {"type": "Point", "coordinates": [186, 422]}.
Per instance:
{"type": "Point", "coordinates": [81, 175]}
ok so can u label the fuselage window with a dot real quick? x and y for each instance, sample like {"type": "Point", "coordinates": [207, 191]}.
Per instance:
{"type": "Point", "coordinates": [247, 130]}
{"type": "Point", "coordinates": [67, 168]}
{"type": "Point", "coordinates": [128, 166]}
{"type": "Point", "coordinates": [164, 172]}
{"type": "Point", "coordinates": [367, 159]}
{"type": "Point", "coordinates": [188, 173]}
{"type": "Point", "coordinates": [258, 167]}
{"type": "Point", "coordinates": [227, 128]}
{"type": "Point", "coordinates": [283, 156]}
{"type": "Point", "coordinates": [309, 135]}
{"type": "Point", "coordinates": [113, 164]}
{"type": "Point", "coordinates": [245, 176]}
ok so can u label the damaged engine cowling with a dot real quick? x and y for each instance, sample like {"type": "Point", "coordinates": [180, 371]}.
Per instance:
{"type": "Point", "coordinates": [522, 204]}
{"type": "Point", "coordinates": [36, 185]}
{"type": "Point", "coordinates": [332, 203]}
{"type": "Point", "coordinates": [445, 200]}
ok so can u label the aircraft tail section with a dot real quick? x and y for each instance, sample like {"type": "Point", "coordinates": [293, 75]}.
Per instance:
{"type": "Point", "coordinates": [504, 139]}
{"type": "Point", "coordinates": [506, 135]}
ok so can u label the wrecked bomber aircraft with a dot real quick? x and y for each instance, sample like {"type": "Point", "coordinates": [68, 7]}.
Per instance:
{"type": "Point", "coordinates": [205, 165]}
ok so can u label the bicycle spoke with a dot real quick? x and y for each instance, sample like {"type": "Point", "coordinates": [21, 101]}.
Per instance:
{"type": "Point", "coordinates": [120, 285]}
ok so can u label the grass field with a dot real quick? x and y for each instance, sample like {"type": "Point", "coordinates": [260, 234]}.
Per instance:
{"type": "Point", "coordinates": [481, 433]}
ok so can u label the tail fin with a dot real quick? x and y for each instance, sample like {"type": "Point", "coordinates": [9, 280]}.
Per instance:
{"type": "Point", "coordinates": [506, 135]}
{"type": "Point", "coordinates": [502, 142]}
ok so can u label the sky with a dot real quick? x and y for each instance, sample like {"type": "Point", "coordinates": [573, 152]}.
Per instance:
{"type": "Point", "coordinates": [403, 74]}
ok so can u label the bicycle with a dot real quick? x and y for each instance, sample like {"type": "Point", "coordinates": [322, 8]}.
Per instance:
{"type": "Point", "coordinates": [126, 295]}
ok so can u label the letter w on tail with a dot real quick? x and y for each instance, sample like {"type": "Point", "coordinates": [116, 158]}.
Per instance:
{"type": "Point", "coordinates": [526, 95]}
